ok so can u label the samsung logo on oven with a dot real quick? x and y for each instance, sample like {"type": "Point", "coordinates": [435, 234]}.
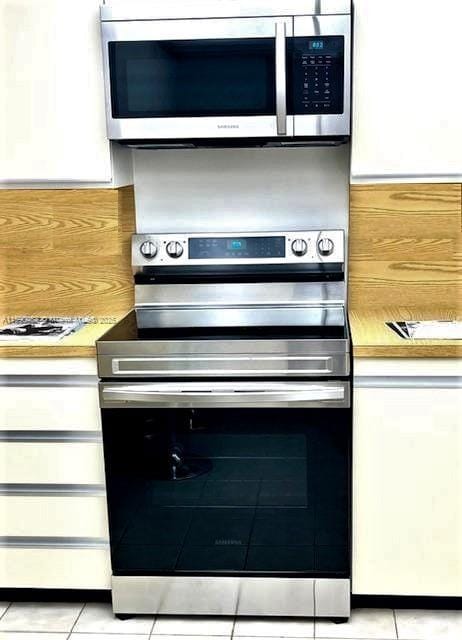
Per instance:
{"type": "Point", "coordinates": [221, 542]}
{"type": "Point", "coordinates": [228, 126]}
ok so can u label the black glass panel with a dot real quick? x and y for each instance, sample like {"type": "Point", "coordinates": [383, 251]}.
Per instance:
{"type": "Point", "coordinates": [127, 330]}
{"type": "Point", "coordinates": [316, 74]}
{"type": "Point", "coordinates": [181, 78]}
{"type": "Point", "coordinates": [239, 247]}
{"type": "Point", "coordinates": [228, 491]}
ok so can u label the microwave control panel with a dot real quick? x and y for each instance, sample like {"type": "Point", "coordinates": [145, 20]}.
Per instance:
{"type": "Point", "coordinates": [317, 67]}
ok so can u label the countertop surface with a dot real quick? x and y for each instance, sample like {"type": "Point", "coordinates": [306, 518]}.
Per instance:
{"type": "Point", "coordinates": [79, 344]}
{"type": "Point", "coordinates": [373, 339]}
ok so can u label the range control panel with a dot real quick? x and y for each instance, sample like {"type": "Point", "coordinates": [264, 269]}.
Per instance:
{"type": "Point", "coordinates": [317, 67]}
{"type": "Point", "coordinates": [249, 248]}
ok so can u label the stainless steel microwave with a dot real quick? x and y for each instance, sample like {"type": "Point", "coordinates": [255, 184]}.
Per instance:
{"type": "Point", "coordinates": [274, 72]}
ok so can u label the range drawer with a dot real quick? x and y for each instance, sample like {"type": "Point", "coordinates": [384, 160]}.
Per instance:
{"type": "Point", "coordinates": [54, 568]}
{"type": "Point", "coordinates": [49, 408]}
{"type": "Point", "coordinates": [53, 516]}
{"type": "Point", "coordinates": [38, 462]}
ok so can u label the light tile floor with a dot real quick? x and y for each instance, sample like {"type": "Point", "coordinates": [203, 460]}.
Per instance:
{"type": "Point", "coordinates": [94, 621]}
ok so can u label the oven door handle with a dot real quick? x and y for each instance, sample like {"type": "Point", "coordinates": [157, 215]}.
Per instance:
{"type": "Point", "coordinates": [281, 98]}
{"type": "Point", "coordinates": [152, 394]}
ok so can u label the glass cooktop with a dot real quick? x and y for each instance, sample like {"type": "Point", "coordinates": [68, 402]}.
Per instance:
{"type": "Point", "coordinates": [128, 329]}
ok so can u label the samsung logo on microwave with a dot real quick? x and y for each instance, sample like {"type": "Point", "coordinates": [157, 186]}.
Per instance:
{"type": "Point", "coordinates": [228, 126]}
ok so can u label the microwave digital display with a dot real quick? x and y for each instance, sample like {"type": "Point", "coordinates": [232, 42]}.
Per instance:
{"type": "Point", "coordinates": [316, 44]}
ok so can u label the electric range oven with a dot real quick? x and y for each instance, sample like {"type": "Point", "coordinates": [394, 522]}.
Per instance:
{"type": "Point", "coordinates": [226, 413]}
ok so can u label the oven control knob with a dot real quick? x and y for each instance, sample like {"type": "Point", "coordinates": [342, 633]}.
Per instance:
{"type": "Point", "coordinates": [299, 247]}
{"type": "Point", "coordinates": [148, 249]}
{"type": "Point", "coordinates": [175, 249]}
{"type": "Point", "coordinates": [325, 247]}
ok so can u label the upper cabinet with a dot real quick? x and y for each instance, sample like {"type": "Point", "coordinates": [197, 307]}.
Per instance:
{"type": "Point", "coordinates": [52, 114]}
{"type": "Point", "coordinates": [407, 91]}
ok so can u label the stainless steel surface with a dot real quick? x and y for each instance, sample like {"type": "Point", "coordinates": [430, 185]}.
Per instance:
{"type": "Point", "coordinates": [15, 380]}
{"type": "Point", "coordinates": [330, 123]}
{"type": "Point", "coordinates": [284, 19]}
{"type": "Point", "coordinates": [223, 316]}
{"type": "Point", "coordinates": [244, 190]}
{"type": "Point", "coordinates": [241, 365]}
{"type": "Point", "coordinates": [148, 10]}
{"type": "Point", "coordinates": [223, 358]}
{"type": "Point", "coordinates": [323, 302]}
{"type": "Point", "coordinates": [231, 596]}
{"type": "Point", "coordinates": [190, 357]}
{"type": "Point", "coordinates": [148, 249]}
{"type": "Point", "coordinates": [251, 366]}
{"type": "Point", "coordinates": [225, 394]}
{"type": "Point", "coordinates": [64, 490]}
{"type": "Point", "coordinates": [188, 127]}
{"type": "Point", "coordinates": [46, 542]}
{"type": "Point", "coordinates": [281, 99]}
{"type": "Point", "coordinates": [175, 246]}
{"type": "Point", "coordinates": [35, 435]}
{"type": "Point", "coordinates": [408, 382]}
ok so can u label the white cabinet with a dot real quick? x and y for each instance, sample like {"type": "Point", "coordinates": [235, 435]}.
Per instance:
{"type": "Point", "coordinates": [55, 568]}
{"type": "Point", "coordinates": [407, 485]}
{"type": "Point", "coordinates": [44, 408]}
{"type": "Point", "coordinates": [53, 515]}
{"type": "Point", "coordinates": [52, 113]}
{"type": "Point", "coordinates": [407, 93]}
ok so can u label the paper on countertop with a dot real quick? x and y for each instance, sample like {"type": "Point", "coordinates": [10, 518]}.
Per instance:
{"type": "Point", "coordinates": [428, 329]}
{"type": "Point", "coordinates": [34, 329]}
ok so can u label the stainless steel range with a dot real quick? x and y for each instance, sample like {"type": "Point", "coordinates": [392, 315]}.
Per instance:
{"type": "Point", "coordinates": [226, 412]}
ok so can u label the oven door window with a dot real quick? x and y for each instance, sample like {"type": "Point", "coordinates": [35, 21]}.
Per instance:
{"type": "Point", "coordinates": [228, 491]}
{"type": "Point", "coordinates": [187, 78]}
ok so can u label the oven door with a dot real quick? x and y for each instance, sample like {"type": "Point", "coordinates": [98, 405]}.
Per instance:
{"type": "Point", "coordinates": [243, 479]}
{"type": "Point", "coordinates": [203, 78]}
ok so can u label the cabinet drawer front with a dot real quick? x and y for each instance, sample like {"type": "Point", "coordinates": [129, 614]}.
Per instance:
{"type": "Point", "coordinates": [51, 463]}
{"type": "Point", "coordinates": [54, 516]}
{"type": "Point", "coordinates": [54, 408]}
{"type": "Point", "coordinates": [25, 568]}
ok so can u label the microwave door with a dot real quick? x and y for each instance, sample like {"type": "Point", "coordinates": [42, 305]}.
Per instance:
{"type": "Point", "coordinates": [319, 89]}
{"type": "Point", "coordinates": [211, 78]}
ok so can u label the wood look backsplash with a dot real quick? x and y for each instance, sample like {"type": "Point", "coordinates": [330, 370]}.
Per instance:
{"type": "Point", "coordinates": [406, 246]}
{"type": "Point", "coordinates": [66, 252]}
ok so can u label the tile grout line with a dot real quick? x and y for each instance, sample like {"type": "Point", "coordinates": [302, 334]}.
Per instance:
{"type": "Point", "coordinates": [234, 624]}
{"type": "Point", "coordinates": [396, 623]}
{"type": "Point", "coordinates": [7, 607]}
{"type": "Point", "coordinates": [152, 628]}
{"type": "Point", "coordinates": [76, 620]}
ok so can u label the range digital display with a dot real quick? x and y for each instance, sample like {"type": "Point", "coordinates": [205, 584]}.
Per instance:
{"type": "Point", "coordinates": [243, 248]}
{"type": "Point", "coordinates": [237, 244]}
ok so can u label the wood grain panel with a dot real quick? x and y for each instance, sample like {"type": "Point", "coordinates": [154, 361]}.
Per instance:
{"type": "Point", "coordinates": [415, 210]}
{"type": "Point", "coordinates": [65, 252]}
{"type": "Point", "coordinates": [405, 246]}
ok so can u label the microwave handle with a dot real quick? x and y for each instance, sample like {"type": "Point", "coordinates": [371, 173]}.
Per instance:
{"type": "Point", "coordinates": [281, 98]}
